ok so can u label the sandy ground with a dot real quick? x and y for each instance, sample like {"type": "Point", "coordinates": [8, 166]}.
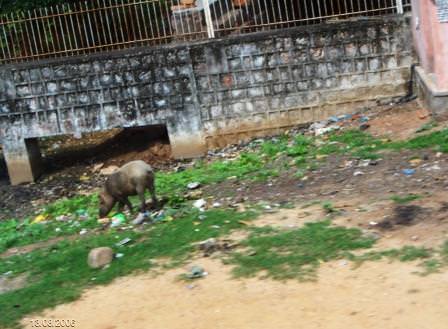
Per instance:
{"type": "Point", "coordinates": [377, 295]}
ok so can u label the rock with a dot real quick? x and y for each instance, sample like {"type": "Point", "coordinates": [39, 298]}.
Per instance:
{"type": "Point", "coordinates": [193, 195]}
{"type": "Point", "coordinates": [100, 257]}
{"type": "Point", "coordinates": [108, 170]}
{"type": "Point", "coordinates": [207, 244]}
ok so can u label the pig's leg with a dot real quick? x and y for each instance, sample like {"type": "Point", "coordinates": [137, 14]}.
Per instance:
{"type": "Point", "coordinates": [128, 204]}
{"type": "Point", "coordinates": [141, 194]}
{"type": "Point", "coordinates": [124, 201]}
{"type": "Point", "coordinates": [152, 191]}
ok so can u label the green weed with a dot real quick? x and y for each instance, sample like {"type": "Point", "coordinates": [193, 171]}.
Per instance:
{"type": "Point", "coordinates": [296, 253]}
{"type": "Point", "coordinates": [405, 198]}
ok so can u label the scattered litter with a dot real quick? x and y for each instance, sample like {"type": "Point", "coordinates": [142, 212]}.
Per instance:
{"type": "Point", "coordinates": [83, 231]}
{"type": "Point", "coordinates": [334, 119]}
{"type": "Point", "coordinates": [40, 218]}
{"type": "Point", "coordinates": [373, 223]}
{"type": "Point", "coordinates": [118, 219]}
{"type": "Point", "coordinates": [200, 204]}
{"type": "Point", "coordinates": [63, 218]}
{"type": "Point", "coordinates": [57, 229]}
{"type": "Point", "coordinates": [415, 162]}
{"type": "Point", "coordinates": [358, 173]}
{"type": "Point", "coordinates": [141, 217]}
{"type": "Point", "coordinates": [98, 166]}
{"type": "Point", "coordinates": [196, 272]}
{"type": "Point", "coordinates": [123, 242]}
{"type": "Point", "coordinates": [104, 220]}
{"type": "Point", "coordinates": [433, 168]}
{"type": "Point", "coordinates": [119, 255]}
{"type": "Point", "coordinates": [82, 214]}
{"type": "Point", "coordinates": [326, 130]}
{"type": "Point", "coordinates": [84, 178]}
{"type": "Point", "coordinates": [217, 204]}
{"type": "Point", "coordinates": [363, 119]}
{"type": "Point", "coordinates": [193, 186]}
{"type": "Point", "coordinates": [364, 126]}
{"type": "Point", "coordinates": [408, 172]}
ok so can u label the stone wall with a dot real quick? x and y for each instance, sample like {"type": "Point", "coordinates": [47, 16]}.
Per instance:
{"type": "Point", "coordinates": [277, 80]}
{"type": "Point", "coordinates": [210, 93]}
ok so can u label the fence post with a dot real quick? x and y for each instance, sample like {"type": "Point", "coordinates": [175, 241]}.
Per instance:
{"type": "Point", "coordinates": [400, 7]}
{"type": "Point", "coordinates": [208, 19]}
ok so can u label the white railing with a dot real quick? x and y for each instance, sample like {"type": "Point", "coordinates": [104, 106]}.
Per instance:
{"type": "Point", "coordinates": [101, 25]}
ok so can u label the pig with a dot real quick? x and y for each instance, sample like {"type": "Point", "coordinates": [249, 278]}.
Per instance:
{"type": "Point", "coordinates": [131, 179]}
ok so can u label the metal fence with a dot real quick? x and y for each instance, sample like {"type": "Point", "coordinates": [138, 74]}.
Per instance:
{"type": "Point", "coordinates": [99, 25]}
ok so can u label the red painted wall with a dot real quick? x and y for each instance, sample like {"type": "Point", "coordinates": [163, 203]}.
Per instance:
{"type": "Point", "coordinates": [431, 41]}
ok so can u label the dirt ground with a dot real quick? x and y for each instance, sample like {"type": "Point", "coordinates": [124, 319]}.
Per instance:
{"type": "Point", "coordinates": [377, 295]}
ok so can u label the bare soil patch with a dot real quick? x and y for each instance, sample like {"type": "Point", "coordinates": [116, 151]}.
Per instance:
{"type": "Point", "coordinates": [377, 295]}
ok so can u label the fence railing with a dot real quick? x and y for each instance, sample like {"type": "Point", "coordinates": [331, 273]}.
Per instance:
{"type": "Point", "coordinates": [99, 25]}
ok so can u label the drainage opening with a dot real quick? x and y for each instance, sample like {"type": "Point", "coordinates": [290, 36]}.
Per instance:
{"type": "Point", "coordinates": [111, 147]}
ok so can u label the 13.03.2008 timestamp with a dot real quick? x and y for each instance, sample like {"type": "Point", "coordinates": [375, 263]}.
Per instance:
{"type": "Point", "coordinates": [53, 323]}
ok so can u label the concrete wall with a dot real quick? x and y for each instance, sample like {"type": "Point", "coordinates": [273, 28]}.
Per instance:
{"type": "Point", "coordinates": [210, 93]}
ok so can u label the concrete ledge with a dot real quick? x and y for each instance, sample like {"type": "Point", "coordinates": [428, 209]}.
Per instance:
{"type": "Point", "coordinates": [436, 100]}
{"type": "Point", "coordinates": [23, 160]}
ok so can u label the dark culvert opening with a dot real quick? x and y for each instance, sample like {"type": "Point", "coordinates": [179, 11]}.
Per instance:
{"type": "Point", "coordinates": [112, 147]}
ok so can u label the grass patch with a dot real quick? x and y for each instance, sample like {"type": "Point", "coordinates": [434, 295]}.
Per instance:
{"type": "Point", "coordinates": [402, 199]}
{"type": "Point", "coordinates": [82, 212]}
{"type": "Point", "coordinates": [59, 274]}
{"type": "Point", "coordinates": [328, 207]}
{"type": "Point", "coordinates": [297, 253]}
{"type": "Point", "coordinates": [404, 254]}
{"type": "Point", "coordinates": [437, 140]}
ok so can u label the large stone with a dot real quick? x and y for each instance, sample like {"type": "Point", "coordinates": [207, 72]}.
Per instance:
{"type": "Point", "coordinates": [100, 257]}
